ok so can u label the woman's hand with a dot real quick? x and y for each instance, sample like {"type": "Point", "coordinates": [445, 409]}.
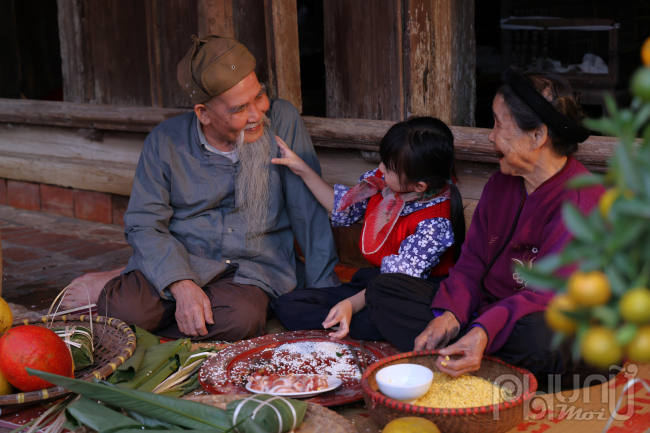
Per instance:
{"type": "Point", "coordinates": [341, 314]}
{"type": "Point", "coordinates": [290, 159]}
{"type": "Point", "coordinates": [471, 347]}
{"type": "Point", "coordinates": [438, 333]}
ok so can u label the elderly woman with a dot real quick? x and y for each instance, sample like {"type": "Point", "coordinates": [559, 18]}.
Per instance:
{"type": "Point", "coordinates": [484, 306]}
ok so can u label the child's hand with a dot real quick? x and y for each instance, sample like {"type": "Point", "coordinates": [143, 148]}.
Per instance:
{"type": "Point", "coordinates": [341, 314]}
{"type": "Point", "coordinates": [290, 159]}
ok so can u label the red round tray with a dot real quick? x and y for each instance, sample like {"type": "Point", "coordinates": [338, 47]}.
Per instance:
{"type": "Point", "coordinates": [216, 371]}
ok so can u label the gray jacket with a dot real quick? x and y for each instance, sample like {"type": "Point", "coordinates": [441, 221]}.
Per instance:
{"type": "Point", "coordinates": [181, 225]}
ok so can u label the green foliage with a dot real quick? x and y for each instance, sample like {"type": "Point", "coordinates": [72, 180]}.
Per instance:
{"type": "Point", "coordinates": [615, 237]}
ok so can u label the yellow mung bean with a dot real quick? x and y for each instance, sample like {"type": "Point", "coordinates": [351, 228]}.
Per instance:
{"type": "Point", "coordinates": [464, 391]}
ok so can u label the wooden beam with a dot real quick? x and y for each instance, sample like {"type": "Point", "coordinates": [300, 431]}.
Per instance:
{"type": "Point", "coordinates": [71, 37]}
{"type": "Point", "coordinates": [454, 68]}
{"type": "Point", "coordinates": [282, 50]}
{"type": "Point", "coordinates": [215, 18]}
{"type": "Point", "coordinates": [472, 144]}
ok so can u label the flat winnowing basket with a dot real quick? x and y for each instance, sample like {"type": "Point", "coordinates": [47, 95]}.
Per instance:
{"type": "Point", "coordinates": [318, 419]}
{"type": "Point", "coordinates": [486, 419]}
{"type": "Point", "coordinates": [114, 343]}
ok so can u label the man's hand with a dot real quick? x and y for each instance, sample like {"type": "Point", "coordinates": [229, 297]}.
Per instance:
{"type": "Point", "coordinates": [341, 313]}
{"type": "Point", "coordinates": [290, 159]}
{"type": "Point", "coordinates": [471, 346]}
{"type": "Point", "coordinates": [193, 308]}
{"type": "Point", "coordinates": [438, 333]}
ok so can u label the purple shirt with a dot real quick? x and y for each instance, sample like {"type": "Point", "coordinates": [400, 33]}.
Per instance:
{"type": "Point", "coordinates": [539, 232]}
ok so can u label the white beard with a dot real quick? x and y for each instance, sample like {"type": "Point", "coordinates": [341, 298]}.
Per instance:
{"type": "Point", "coordinates": [252, 189]}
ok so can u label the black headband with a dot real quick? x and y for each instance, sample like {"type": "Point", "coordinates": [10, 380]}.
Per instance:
{"type": "Point", "coordinates": [561, 124]}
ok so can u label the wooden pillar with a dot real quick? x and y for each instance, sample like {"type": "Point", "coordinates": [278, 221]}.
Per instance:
{"type": "Point", "coordinates": [282, 50]}
{"type": "Point", "coordinates": [71, 37]}
{"type": "Point", "coordinates": [269, 29]}
{"type": "Point", "coordinates": [455, 61]}
{"type": "Point", "coordinates": [399, 58]}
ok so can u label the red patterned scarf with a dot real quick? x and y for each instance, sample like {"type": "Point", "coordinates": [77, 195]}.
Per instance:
{"type": "Point", "coordinates": [379, 224]}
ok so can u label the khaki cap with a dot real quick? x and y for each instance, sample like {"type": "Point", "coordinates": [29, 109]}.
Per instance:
{"type": "Point", "coordinates": [212, 66]}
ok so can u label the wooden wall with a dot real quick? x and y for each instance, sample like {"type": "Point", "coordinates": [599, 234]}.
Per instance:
{"type": "Point", "coordinates": [125, 52]}
{"type": "Point", "coordinates": [400, 58]}
{"type": "Point", "coordinates": [385, 60]}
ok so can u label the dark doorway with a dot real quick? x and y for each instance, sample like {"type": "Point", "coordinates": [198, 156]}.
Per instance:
{"type": "Point", "coordinates": [312, 57]}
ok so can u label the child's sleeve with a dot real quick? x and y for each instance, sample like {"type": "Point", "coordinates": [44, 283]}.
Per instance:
{"type": "Point", "coordinates": [421, 251]}
{"type": "Point", "coordinates": [355, 212]}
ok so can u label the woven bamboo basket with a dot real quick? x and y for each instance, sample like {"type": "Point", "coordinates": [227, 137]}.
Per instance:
{"type": "Point", "coordinates": [114, 343]}
{"type": "Point", "coordinates": [318, 419]}
{"type": "Point", "coordinates": [486, 419]}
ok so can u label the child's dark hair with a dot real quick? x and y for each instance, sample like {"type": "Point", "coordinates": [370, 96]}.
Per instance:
{"type": "Point", "coordinates": [421, 149]}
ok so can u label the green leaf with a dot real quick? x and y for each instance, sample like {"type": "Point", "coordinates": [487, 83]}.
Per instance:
{"type": "Point", "coordinates": [128, 369]}
{"type": "Point", "coordinates": [88, 413]}
{"type": "Point", "coordinates": [628, 169]}
{"type": "Point", "coordinates": [578, 224]}
{"type": "Point", "coordinates": [625, 236]}
{"type": "Point", "coordinates": [549, 264]}
{"type": "Point", "coordinates": [157, 365]}
{"type": "Point", "coordinates": [539, 279]}
{"type": "Point", "coordinates": [150, 422]}
{"type": "Point", "coordinates": [626, 333]}
{"type": "Point", "coordinates": [607, 315]}
{"type": "Point", "coordinates": [586, 180]}
{"type": "Point", "coordinates": [634, 207]}
{"type": "Point", "coordinates": [641, 118]}
{"type": "Point", "coordinates": [168, 409]}
{"type": "Point", "coordinates": [616, 281]}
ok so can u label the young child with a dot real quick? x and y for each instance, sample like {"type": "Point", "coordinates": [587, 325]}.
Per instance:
{"type": "Point", "coordinates": [413, 224]}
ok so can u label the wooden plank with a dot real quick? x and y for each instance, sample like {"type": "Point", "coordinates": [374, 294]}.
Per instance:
{"type": "Point", "coordinates": [170, 24]}
{"type": "Point", "coordinates": [419, 58]}
{"type": "Point", "coordinates": [454, 67]}
{"type": "Point", "coordinates": [363, 59]}
{"type": "Point", "coordinates": [250, 29]}
{"type": "Point", "coordinates": [116, 39]}
{"type": "Point", "coordinates": [215, 17]}
{"type": "Point", "coordinates": [71, 37]}
{"type": "Point", "coordinates": [282, 50]}
{"type": "Point", "coordinates": [98, 116]}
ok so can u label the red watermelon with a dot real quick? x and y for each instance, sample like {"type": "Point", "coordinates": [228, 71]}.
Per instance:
{"type": "Point", "coordinates": [34, 347]}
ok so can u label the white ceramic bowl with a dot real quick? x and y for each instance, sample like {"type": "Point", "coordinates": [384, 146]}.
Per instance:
{"type": "Point", "coordinates": [404, 382]}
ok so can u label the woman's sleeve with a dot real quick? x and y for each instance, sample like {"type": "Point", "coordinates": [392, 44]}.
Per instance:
{"type": "Point", "coordinates": [421, 251]}
{"type": "Point", "coordinates": [352, 214]}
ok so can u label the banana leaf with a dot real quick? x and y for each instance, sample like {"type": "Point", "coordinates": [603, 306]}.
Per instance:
{"type": "Point", "coordinates": [88, 413]}
{"type": "Point", "coordinates": [185, 379]}
{"type": "Point", "coordinates": [158, 363]}
{"type": "Point", "coordinates": [262, 410]}
{"type": "Point", "coordinates": [79, 340]}
{"type": "Point", "coordinates": [172, 410]}
{"type": "Point", "coordinates": [127, 371]}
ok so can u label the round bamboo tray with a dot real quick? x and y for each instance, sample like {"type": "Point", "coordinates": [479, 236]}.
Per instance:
{"type": "Point", "coordinates": [318, 419]}
{"type": "Point", "coordinates": [485, 419]}
{"type": "Point", "coordinates": [114, 343]}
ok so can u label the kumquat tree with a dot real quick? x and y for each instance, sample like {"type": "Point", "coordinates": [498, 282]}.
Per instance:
{"type": "Point", "coordinates": [605, 302]}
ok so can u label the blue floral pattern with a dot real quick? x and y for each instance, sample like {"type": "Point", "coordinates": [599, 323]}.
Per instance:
{"type": "Point", "coordinates": [418, 253]}
{"type": "Point", "coordinates": [421, 251]}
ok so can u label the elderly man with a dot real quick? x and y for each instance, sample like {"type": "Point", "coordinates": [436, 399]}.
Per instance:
{"type": "Point", "coordinates": [211, 221]}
